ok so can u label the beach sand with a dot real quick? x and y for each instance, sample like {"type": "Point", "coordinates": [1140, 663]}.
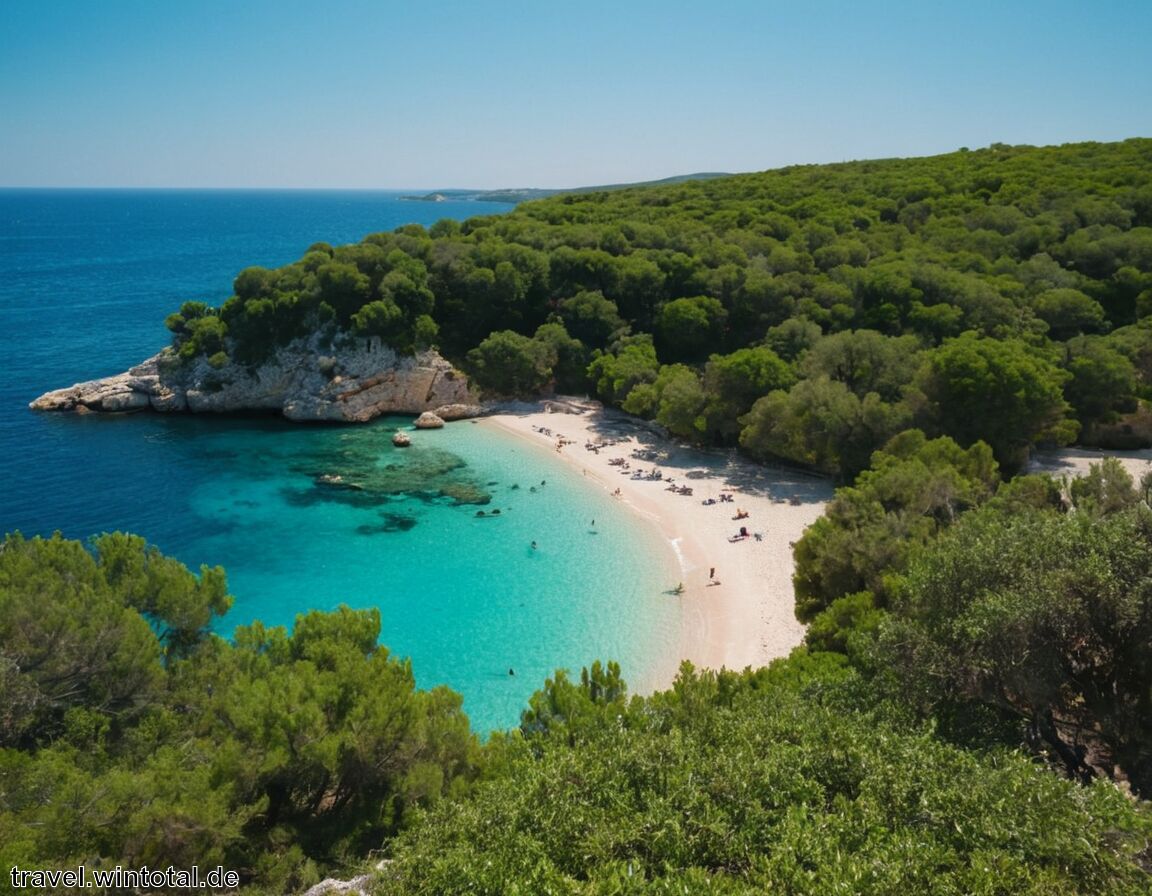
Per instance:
{"type": "Point", "coordinates": [743, 614]}
{"type": "Point", "coordinates": [1076, 461]}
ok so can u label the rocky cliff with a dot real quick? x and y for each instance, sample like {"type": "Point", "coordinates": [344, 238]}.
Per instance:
{"type": "Point", "coordinates": [356, 382]}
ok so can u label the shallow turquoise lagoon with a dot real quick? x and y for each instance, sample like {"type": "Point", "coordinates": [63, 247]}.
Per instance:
{"type": "Point", "coordinates": [309, 518]}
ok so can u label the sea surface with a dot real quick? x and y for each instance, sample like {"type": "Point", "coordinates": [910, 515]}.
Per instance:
{"type": "Point", "coordinates": [304, 517]}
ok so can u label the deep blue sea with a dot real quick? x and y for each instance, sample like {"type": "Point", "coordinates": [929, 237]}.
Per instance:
{"type": "Point", "coordinates": [86, 279]}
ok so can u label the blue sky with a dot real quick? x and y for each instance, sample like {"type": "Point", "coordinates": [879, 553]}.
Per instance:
{"type": "Point", "coordinates": [439, 93]}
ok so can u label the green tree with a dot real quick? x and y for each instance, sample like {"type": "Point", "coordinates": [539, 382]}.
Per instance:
{"type": "Point", "coordinates": [689, 329]}
{"type": "Point", "coordinates": [735, 382]}
{"type": "Point", "coordinates": [1068, 312]}
{"type": "Point", "coordinates": [179, 322]}
{"type": "Point", "coordinates": [997, 391]}
{"type": "Point", "coordinates": [823, 424]}
{"type": "Point", "coordinates": [67, 639]}
{"type": "Point", "coordinates": [508, 363]}
{"type": "Point", "coordinates": [571, 366]}
{"type": "Point", "coordinates": [616, 373]}
{"type": "Point", "coordinates": [569, 712]}
{"type": "Point", "coordinates": [591, 318]}
{"type": "Point", "coordinates": [915, 488]}
{"type": "Point", "coordinates": [204, 335]}
{"type": "Point", "coordinates": [793, 337]}
{"type": "Point", "coordinates": [1102, 381]}
{"type": "Point", "coordinates": [1044, 618]}
{"type": "Point", "coordinates": [325, 732]}
{"type": "Point", "coordinates": [676, 400]}
{"type": "Point", "coordinates": [254, 283]}
{"type": "Point", "coordinates": [1106, 488]}
{"type": "Point", "coordinates": [865, 361]}
{"type": "Point", "coordinates": [382, 318]}
{"type": "Point", "coordinates": [343, 288]}
{"type": "Point", "coordinates": [180, 606]}
{"type": "Point", "coordinates": [278, 755]}
{"type": "Point", "coordinates": [408, 291]}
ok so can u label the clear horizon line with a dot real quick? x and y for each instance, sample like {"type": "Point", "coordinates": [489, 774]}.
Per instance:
{"type": "Point", "coordinates": [272, 189]}
{"type": "Point", "coordinates": [416, 189]}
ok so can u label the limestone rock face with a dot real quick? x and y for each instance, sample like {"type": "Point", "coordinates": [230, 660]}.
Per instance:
{"type": "Point", "coordinates": [136, 389]}
{"type": "Point", "coordinates": [356, 382]}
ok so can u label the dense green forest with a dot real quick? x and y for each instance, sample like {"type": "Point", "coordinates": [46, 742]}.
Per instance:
{"type": "Point", "coordinates": [971, 711]}
{"type": "Point", "coordinates": [808, 313]}
{"type": "Point", "coordinates": [913, 758]}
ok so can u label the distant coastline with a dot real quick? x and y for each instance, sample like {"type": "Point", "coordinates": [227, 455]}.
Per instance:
{"type": "Point", "coordinates": [511, 197]}
{"type": "Point", "coordinates": [514, 196]}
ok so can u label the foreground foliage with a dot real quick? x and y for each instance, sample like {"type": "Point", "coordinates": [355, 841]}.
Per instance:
{"type": "Point", "coordinates": [765, 782]}
{"type": "Point", "coordinates": [289, 756]}
{"type": "Point", "coordinates": [1012, 613]}
{"type": "Point", "coordinates": [1041, 617]}
{"type": "Point", "coordinates": [274, 755]}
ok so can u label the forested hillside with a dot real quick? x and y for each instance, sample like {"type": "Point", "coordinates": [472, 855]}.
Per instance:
{"type": "Point", "coordinates": [808, 313]}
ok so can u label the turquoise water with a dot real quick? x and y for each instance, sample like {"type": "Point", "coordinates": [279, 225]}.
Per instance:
{"type": "Point", "coordinates": [465, 596]}
{"type": "Point", "coordinates": [305, 517]}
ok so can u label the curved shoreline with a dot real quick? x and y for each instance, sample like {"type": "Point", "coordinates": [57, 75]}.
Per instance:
{"type": "Point", "coordinates": [743, 616]}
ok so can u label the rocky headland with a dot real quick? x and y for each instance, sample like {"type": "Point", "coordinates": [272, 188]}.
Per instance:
{"type": "Point", "coordinates": [305, 381]}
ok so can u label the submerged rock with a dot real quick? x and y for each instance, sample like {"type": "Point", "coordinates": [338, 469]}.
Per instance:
{"type": "Point", "coordinates": [391, 522]}
{"type": "Point", "coordinates": [465, 493]}
{"type": "Point", "coordinates": [335, 480]}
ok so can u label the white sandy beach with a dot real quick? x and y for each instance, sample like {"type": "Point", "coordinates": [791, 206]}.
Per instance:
{"type": "Point", "coordinates": [1076, 461]}
{"type": "Point", "coordinates": [742, 616]}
